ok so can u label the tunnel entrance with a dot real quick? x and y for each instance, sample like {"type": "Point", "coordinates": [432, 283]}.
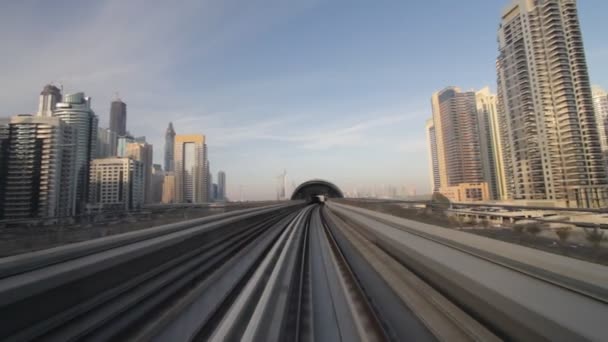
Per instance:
{"type": "Point", "coordinates": [309, 191]}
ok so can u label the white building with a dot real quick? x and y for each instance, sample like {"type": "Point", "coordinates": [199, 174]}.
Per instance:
{"type": "Point", "coordinates": [49, 97]}
{"type": "Point", "coordinates": [143, 152]}
{"type": "Point", "coordinates": [491, 144]}
{"type": "Point", "coordinates": [431, 140]}
{"type": "Point", "coordinates": [36, 168]}
{"type": "Point", "coordinates": [551, 143]}
{"type": "Point", "coordinates": [600, 106]}
{"type": "Point", "coordinates": [117, 184]}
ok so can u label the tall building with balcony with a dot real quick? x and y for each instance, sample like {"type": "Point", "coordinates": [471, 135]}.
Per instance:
{"type": "Point", "coordinates": [191, 170]}
{"type": "Point", "coordinates": [169, 147]}
{"type": "Point", "coordinates": [433, 158]}
{"type": "Point", "coordinates": [490, 143]}
{"type": "Point", "coordinates": [600, 106]}
{"type": "Point", "coordinates": [117, 184]}
{"type": "Point", "coordinates": [143, 152]}
{"type": "Point", "coordinates": [456, 129]}
{"type": "Point", "coordinates": [49, 97]}
{"type": "Point", "coordinates": [551, 141]}
{"type": "Point", "coordinates": [75, 110]}
{"type": "Point", "coordinates": [36, 168]}
{"type": "Point", "coordinates": [169, 188]}
{"type": "Point", "coordinates": [118, 117]}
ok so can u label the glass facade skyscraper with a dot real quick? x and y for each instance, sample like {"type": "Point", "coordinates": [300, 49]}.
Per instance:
{"type": "Point", "coordinates": [75, 110]}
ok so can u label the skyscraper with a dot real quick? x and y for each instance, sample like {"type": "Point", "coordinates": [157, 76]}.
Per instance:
{"type": "Point", "coordinates": [221, 186]}
{"type": "Point", "coordinates": [143, 152]}
{"type": "Point", "coordinates": [455, 122]}
{"type": "Point", "coordinates": [209, 183]}
{"type": "Point", "coordinates": [118, 117]}
{"type": "Point", "coordinates": [191, 183]}
{"type": "Point", "coordinates": [214, 192]}
{"type": "Point", "coordinates": [169, 147]}
{"type": "Point", "coordinates": [36, 168]}
{"type": "Point", "coordinates": [122, 143]}
{"type": "Point", "coordinates": [158, 177]}
{"type": "Point", "coordinates": [600, 106]}
{"type": "Point", "coordinates": [169, 188]}
{"type": "Point", "coordinates": [106, 143]}
{"type": "Point", "coordinates": [116, 184]}
{"type": "Point", "coordinates": [551, 143]}
{"type": "Point", "coordinates": [49, 97]}
{"type": "Point", "coordinates": [75, 110]}
{"type": "Point", "coordinates": [491, 144]}
{"type": "Point", "coordinates": [433, 158]}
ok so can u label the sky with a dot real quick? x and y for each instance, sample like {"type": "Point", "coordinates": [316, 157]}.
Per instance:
{"type": "Point", "coordinates": [331, 89]}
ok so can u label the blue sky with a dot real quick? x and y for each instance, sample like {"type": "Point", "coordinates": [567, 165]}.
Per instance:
{"type": "Point", "coordinates": [325, 89]}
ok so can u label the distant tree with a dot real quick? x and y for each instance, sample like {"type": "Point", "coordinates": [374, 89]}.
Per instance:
{"type": "Point", "coordinates": [440, 201]}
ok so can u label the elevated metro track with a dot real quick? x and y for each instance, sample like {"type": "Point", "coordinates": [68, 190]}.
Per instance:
{"type": "Point", "coordinates": [297, 272]}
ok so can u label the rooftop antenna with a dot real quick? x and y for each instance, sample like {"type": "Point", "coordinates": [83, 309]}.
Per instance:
{"type": "Point", "coordinates": [282, 185]}
{"type": "Point", "coordinates": [116, 96]}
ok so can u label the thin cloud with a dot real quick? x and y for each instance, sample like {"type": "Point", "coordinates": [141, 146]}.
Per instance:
{"type": "Point", "coordinates": [353, 135]}
{"type": "Point", "coordinates": [413, 145]}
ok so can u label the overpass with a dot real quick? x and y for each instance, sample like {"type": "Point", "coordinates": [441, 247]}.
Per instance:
{"type": "Point", "coordinates": [299, 272]}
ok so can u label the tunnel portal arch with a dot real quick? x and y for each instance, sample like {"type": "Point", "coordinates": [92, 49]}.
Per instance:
{"type": "Point", "coordinates": [312, 188]}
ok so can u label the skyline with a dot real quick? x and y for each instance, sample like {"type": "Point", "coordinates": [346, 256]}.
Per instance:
{"type": "Point", "coordinates": [255, 109]}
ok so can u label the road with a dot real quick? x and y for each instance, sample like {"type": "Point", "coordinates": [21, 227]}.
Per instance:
{"type": "Point", "coordinates": [298, 272]}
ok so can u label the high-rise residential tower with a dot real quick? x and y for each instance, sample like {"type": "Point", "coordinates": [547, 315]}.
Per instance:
{"type": "Point", "coordinates": [600, 106]}
{"type": "Point", "coordinates": [455, 122]}
{"type": "Point", "coordinates": [490, 144]}
{"type": "Point", "coordinates": [143, 152]}
{"type": "Point", "coordinates": [36, 168]}
{"type": "Point", "coordinates": [551, 143]}
{"type": "Point", "coordinates": [169, 147]}
{"type": "Point", "coordinates": [169, 188]}
{"type": "Point", "coordinates": [221, 186]}
{"type": "Point", "coordinates": [433, 158]}
{"type": "Point", "coordinates": [49, 97]}
{"type": "Point", "coordinates": [191, 181]}
{"type": "Point", "coordinates": [75, 110]}
{"type": "Point", "coordinates": [116, 184]}
{"type": "Point", "coordinates": [118, 117]}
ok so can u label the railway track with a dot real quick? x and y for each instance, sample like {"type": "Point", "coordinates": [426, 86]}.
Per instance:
{"type": "Point", "coordinates": [282, 273]}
